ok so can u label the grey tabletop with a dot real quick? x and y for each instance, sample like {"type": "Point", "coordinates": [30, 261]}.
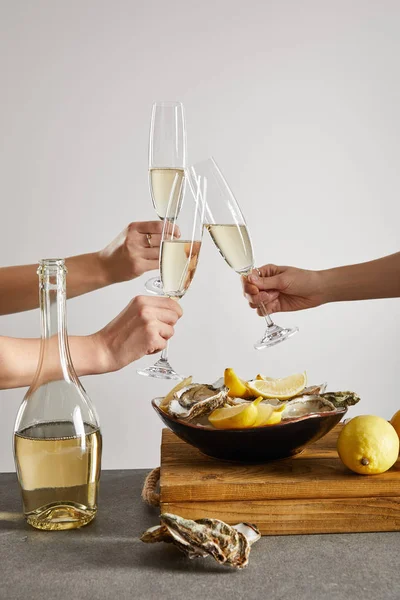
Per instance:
{"type": "Point", "coordinates": [107, 560]}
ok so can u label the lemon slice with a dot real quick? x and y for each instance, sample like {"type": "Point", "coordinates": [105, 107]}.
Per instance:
{"type": "Point", "coordinates": [235, 417]}
{"type": "Point", "coordinates": [237, 387]}
{"type": "Point", "coordinates": [179, 386]}
{"type": "Point", "coordinates": [283, 389]}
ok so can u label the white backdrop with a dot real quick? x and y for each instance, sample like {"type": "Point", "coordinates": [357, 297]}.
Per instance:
{"type": "Point", "coordinates": [298, 102]}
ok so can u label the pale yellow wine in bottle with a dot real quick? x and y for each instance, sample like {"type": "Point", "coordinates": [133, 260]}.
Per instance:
{"type": "Point", "coordinates": [57, 440]}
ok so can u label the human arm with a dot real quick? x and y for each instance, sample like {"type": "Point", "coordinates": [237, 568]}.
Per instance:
{"type": "Point", "coordinates": [284, 289]}
{"type": "Point", "coordinates": [126, 257]}
{"type": "Point", "coordinates": [143, 327]}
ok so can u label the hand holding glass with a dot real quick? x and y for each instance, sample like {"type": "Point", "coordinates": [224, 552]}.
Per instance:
{"type": "Point", "coordinates": [179, 254]}
{"type": "Point", "coordinates": [227, 227]}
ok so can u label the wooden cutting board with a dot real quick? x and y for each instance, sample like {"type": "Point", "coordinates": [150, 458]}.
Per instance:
{"type": "Point", "coordinates": [312, 492]}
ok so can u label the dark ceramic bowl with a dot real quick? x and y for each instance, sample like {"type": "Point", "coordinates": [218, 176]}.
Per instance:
{"type": "Point", "coordinates": [260, 444]}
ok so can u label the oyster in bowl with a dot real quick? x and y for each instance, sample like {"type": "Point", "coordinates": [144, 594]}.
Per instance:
{"type": "Point", "coordinates": [304, 419]}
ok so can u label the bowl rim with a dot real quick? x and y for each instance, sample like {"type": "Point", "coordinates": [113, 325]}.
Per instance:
{"type": "Point", "coordinates": [279, 425]}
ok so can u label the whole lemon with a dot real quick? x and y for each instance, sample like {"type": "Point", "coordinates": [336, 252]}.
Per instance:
{"type": "Point", "coordinates": [368, 445]}
{"type": "Point", "coordinates": [395, 421]}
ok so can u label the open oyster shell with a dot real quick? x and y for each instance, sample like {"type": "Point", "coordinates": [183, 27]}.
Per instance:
{"type": "Point", "coordinates": [206, 537]}
{"type": "Point", "coordinates": [313, 390]}
{"type": "Point", "coordinates": [306, 405]}
{"type": "Point", "coordinates": [196, 392]}
{"type": "Point", "coordinates": [310, 404]}
{"type": "Point", "coordinates": [196, 400]}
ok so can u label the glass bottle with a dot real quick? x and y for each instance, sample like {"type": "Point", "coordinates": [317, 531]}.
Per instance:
{"type": "Point", "coordinates": [57, 440]}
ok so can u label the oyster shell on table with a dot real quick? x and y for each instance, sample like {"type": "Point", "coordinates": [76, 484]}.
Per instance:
{"type": "Point", "coordinates": [195, 400]}
{"type": "Point", "coordinates": [161, 533]}
{"type": "Point", "coordinates": [158, 533]}
{"type": "Point", "coordinates": [229, 545]}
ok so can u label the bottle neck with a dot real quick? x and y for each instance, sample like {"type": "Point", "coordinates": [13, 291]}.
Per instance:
{"type": "Point", "coordinates": [52, 303]}
{"type": "Point", "coordinates": [52, 290]}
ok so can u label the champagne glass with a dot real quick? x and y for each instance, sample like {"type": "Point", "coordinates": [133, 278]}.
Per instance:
{"type": "Point", "coordinates": [229, 232]}
{"type": "Point", "coordinates": [179, 255]}
{"type": "Point", "coordinates": [167, 158]}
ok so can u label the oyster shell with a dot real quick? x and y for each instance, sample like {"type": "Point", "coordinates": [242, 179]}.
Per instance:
{"type": "Point", "coordinates": [330, 401]}
{"type": "Point", "coordinates": [227, 545]}
{"type": "Point", "coordinates": [161, 533]}
{"type": "Point", "coordinates": [306, 405]}
{"type": "Point", "coordinates": [196, 400]}
{"type": "Point", "coordinates": [196, 392]}
{"type": "Point", "coordinates": [249, 530]}
{"type": "Point", "coordinates": [341, 399]}
{"type": "Point", "coordinates": [158, 533]}
{"type": "Point", "coordinates": [313, 390]}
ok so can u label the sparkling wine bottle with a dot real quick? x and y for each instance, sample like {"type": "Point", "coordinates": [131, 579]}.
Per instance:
{"type": "Point", "coordinates": [57, 440]}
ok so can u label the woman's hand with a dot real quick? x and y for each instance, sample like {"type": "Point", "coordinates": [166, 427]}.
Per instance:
{"type": "Point", "coordinates": [143, 327]}
{"type": "Point", "coordinates": [283, 289]}
{"type": "Point", "coordinates": [133, 252]}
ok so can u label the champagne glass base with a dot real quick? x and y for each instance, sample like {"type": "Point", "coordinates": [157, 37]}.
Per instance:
{"type": "Point", "coordinates": [154, 286]}
{"type": "Point", "coordinates": [274, 335]}
{"type": "Point", "coordinates": [160, 370]}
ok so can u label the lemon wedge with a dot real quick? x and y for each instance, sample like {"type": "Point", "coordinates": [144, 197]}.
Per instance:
{"type": "Point", "coordinates": [237, 387]}
{"type": "Point", "coordinates": [235, 417]}
{"type": "Point", "coordinates": [283, 389]}
{"type": "Point", "coordinates": [264, 414]}
{"type": "Point", "coordinates": [268, 415]}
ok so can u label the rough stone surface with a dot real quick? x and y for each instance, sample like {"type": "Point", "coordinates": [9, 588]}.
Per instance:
{"type": "Point", "coordinates": [106, 559]}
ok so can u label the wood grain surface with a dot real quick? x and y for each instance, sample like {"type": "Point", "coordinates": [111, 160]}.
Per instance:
{"type": "Point", "coordinates": [312, 492]}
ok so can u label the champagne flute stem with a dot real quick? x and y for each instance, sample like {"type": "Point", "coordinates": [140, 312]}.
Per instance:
{"type": "Point", "coordinates": [164, 353]}
{"type": "Point", "coordinates": [266, 316]}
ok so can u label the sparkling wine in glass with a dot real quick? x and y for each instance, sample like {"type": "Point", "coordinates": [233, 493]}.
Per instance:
{"type": "Point", "coordinates": [167, 158]}
{"type": "Point", "coordinates": [229, 232]}
{"type": "Point", "coordinates": [179, 255]}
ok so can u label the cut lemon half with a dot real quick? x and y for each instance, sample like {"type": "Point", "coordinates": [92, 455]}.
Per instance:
{"type": "Point", "coordinates": [283, 389]}
{"type": "Point", "coordinates": [235, 417]}
{"type": "Point", "coordinates": [236, 386]}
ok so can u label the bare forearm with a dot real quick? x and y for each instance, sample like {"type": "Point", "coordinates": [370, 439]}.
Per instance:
{"type": "Point", "coordinates": [19, 360]}
{"type": "Point", "coordinates": [19, 285]}
{"type": "Point", "coordinates": [375, 279]}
